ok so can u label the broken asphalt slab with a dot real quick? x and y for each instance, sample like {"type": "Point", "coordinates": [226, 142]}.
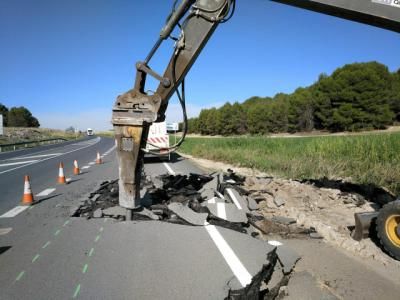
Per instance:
{"type": "Point", "coordinates": [188, 214]}
{"type": "Point", "coordinates": [237, 199]}
{"type": "Point", "coordinates": [228, 212]}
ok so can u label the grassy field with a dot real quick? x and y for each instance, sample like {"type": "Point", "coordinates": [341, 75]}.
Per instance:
{"type": "Point", "coordinates": [370, 159]}
{"type": "Point", "coordinates": [16, 135]}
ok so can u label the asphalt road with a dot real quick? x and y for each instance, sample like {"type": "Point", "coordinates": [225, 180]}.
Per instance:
{"type": "Point", "coordinates": [41, 164]}
{"type": "Point", "coordinates": [46, 254]}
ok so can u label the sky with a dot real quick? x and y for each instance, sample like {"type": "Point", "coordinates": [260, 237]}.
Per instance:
{"type": "Point", "coordinates": [67, 61]}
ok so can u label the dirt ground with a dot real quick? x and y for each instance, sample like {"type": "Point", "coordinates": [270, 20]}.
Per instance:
{"type": "Point", "coordinates": [329, 211]}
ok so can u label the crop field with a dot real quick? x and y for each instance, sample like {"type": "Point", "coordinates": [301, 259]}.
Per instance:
{"type": "Point", "coordinates": [365, 159]}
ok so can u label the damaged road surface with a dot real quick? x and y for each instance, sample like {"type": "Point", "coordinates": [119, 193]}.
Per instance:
{"type": "Point", "coordinates": [196, 234]}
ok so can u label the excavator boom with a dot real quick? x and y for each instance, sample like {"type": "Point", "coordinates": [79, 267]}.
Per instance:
{"type": "Point", "coordinates": [135, 110]}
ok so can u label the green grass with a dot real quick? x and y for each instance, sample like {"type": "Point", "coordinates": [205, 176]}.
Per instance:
{"type": "Point", "coordinates": [369, 159]}
{"type": "Point", "coordinates": [16, 135]}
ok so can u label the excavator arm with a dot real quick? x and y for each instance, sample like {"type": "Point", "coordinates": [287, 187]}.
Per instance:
{"type": "Point", "coordinates": [135, 110]}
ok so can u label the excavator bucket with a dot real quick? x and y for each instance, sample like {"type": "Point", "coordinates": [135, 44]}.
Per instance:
{"type": "Point", "coordinates": [363, 223]}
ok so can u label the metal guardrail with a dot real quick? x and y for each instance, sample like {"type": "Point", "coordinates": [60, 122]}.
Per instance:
{"type": "Point", "coordinates": [30, 144]}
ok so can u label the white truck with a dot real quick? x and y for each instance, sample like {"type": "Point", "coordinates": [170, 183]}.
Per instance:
{"type": "Point", "coordinates": [158, 141]}
{"type": "Point", "coordinates": [89, 131]}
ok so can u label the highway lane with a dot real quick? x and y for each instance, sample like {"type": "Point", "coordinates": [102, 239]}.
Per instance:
{"type": "Point", "coordinates": [41, 164]}
{"type": "Point", "coordinates": [92, 259]}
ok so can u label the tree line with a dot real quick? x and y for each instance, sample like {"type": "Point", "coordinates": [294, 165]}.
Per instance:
{"type": "Point", "coordinates": [18, 117]}
{"type": "Point", "coordinates": [358, 96]}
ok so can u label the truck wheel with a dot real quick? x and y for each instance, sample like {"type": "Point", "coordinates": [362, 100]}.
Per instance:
{"type": "Point", "coordinates": [388, 228]}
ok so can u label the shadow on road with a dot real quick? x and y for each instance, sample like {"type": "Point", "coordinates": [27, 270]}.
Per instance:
{"type": "Point", "coordinates": [4, 249]}
{"type": "Point", "coordinates": [46, 198]}
{"type": "Point", "coordinates": [174, 157]}
{"type": "Point", "coordinates": [74, 180]}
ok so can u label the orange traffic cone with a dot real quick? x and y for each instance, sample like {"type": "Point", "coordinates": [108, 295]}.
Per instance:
{"type": "Point", "coordinates": [61, 177]}
{"type": "Point", "coordinates": [98, 159]}
{"type": "Point", "coordinates": [27, 199]}
{"type": "Point", "coordinates": [76, 168]}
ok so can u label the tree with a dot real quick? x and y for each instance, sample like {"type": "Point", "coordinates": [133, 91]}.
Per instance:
{"type": "Point", "coordinates": [21, 117]}
{"type": "Point", "coordinates": [4, 112]}
{"type": "Point", "coordinates": [301, 110]}
{"type": "Point", "coordinates": [354, 97]}
{"type": "Point", "coordinates": [70, 129]}
{"type": "Point", "coordinates": [394, 101]}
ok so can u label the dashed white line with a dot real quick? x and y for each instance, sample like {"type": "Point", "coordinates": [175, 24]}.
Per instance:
{"type": "Point", "coordinates": [85, 167]}
{"type": "Point", "coordinates": [275, 243]}
{"type": "Point", "coordinates": [4, 231]}
{"type": "Point", "coordinates": [45, 192]}
{"type": "Point", "coordinates": [230, 193]}
{"type": "Point", "coordinates": [221, 212]}
{"type": "Point", "coordinates": [238, 269]}
{"type": "Point", "coordinates": [67, 179]}
{"type": "Point", "coordinates": [13, 212]}
{"type": "Point", "coordinates": [91, 163]}
{"type": "Point", "coordinates": [18, 163]}
{"type": "Point", "coordinates": [169, 169]}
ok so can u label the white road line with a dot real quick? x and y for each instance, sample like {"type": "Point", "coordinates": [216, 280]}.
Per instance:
{"type": "Point", "coordinates": [91, 163]}
{"type": "Point", "coordinates": [238, 269]}
{"type": "Point", "coordinates": [34, 156]}
{"type": "Point", "coordinates": [211, 201]}
{"type": "Point", "coordinates": [169, 169]}
{"type": "Point", "coordinates": [275, 243]}
{"type": "Point", "coordinates": [13, 212]}
{"type": "Point", "coordinates": [4, 231]}
{"type": "Point", "coordinates": [85, 167]}
{"type": "Point", "coordinates": [45, 192]}
{"type": "Point", "coordinates": [18, 163]}
{"type": "Point", "coordinates": [221, 212]}
{"type": "Point", "coordinates": [9, 170]}
{"type": "Point", "coordinates": [234, 198]}
{"type": "Point", "coordinates": [67, 179]}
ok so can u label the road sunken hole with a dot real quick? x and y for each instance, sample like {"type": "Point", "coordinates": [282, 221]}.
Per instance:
{"type": "Point", "coordinates": [218, 199]}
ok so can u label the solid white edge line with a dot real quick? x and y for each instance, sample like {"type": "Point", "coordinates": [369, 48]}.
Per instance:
{"type": "Point", "coordinates": [221, 212]}
{"type": "Point", "coordinates": [169, 169]}
{"type": "Point", "coordinates": [15, 211]}
{"type": "Point", "coordinates": [238, 269]}
{"type": "Point", "coordinates": [234, 198]}
{"type": "Point", "coordinates": [45, 192]}
{"type": "Point", "coordinates": [9, 170]}
{"type": "Point", "coordinates": [33, 156]}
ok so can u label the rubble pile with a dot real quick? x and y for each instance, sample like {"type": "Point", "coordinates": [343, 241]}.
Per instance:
{"type": "Point", "coordinates": [323, 209]}
{"type": "Point", "coordinates": [198, 200]}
